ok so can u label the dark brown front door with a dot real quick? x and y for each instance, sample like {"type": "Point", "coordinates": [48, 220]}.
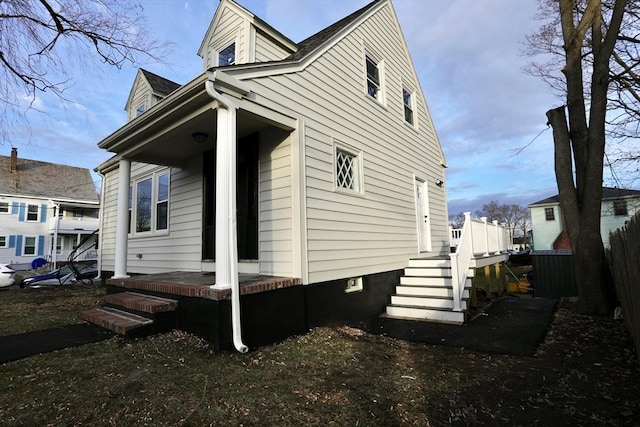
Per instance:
{"type": "Point", "coordinates": [246, 199]}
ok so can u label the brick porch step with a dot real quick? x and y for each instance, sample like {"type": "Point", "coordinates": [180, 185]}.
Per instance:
{"type": "Point", "coordinates": [118, 321]}
{"type": "Point", "coordinates": [141, 302]}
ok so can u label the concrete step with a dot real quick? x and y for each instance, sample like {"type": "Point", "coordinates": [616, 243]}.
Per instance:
{"type": "Point", "coordinates": [118, 321]}
{"type": "Point", "coordinates": [141, 302]}
{"type": "Point", "coordinates": [426, 302]}
{"type": "Point", "coordinates": [429, 291]}
{"type": "Point", "coordinates": [426, 314]}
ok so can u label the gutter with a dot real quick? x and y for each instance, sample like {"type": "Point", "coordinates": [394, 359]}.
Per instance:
{"type": "Point", "coordinates": [232, 261]}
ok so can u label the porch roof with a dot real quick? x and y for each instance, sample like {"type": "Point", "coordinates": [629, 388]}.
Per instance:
{"type": "Point", "coordinates": [163, 134]}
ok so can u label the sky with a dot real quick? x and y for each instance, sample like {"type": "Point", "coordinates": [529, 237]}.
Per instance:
{"type": "Point", "coordinates": [469, 55]}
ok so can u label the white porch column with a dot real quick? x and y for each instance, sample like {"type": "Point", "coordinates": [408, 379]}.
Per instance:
{"type": "Point", "coordinates": [122, 219]}
{"type": "Point", "coordinates": [225, 196]}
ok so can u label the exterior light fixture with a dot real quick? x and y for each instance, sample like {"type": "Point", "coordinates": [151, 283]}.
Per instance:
{"type": "Point", "coordinates": [439, 182]}
{"type": "Point", "coordinates": [200, 137]}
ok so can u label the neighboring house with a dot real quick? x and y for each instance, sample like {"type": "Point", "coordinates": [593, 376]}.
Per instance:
{"type": "Point", "coordinates": [46, 210]}
{"type": "Point", "coordinates": [618, 206]}
{"type": "Point", "coordinates": [312, 163]}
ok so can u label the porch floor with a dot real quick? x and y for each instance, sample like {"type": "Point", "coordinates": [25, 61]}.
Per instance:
{"type": "Point", "coordinates": [198, 284]}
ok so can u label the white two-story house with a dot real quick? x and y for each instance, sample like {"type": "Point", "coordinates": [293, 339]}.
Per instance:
{"type": "Point", "coordinates": [46, 211]}
{"type": "Point", "coordinates": [547, 222]}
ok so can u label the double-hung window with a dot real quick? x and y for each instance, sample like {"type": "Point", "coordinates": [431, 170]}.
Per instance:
{"type": "Point", "coordinates": [549, 214]}
{"type": "Point", "coordinates": [32, 212]}
{"type": "Point", "coordinates": [4, 207]}
{"type": "Point", "coordinates": [29, 246]}
{"type": "Point", "coordinates": [149, 204]}
{"type": "Point", "coordinates": [407, 100]}
{"type": "Point", "coordinates": [374, 81]}
{"type": "Point", "coordinates": [162, 201]}
{"type": "Point", "coordinates": [620, 207]}
{"type": "Point", "coordinates": [3, 241]}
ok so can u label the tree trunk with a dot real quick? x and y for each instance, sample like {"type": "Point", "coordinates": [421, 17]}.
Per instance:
{"type": "Point", "coordinates": [582, 221]}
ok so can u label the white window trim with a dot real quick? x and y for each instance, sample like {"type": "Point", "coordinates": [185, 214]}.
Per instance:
{"type": "Point", "coordinates": [6, 242]}
{"type": "Point", "coordinates": [35, 246]}
{"type": "Point", "coordinates": [359, 169]}
{"type": "Point", "coordinates": [153, 203]}
{"type": "Point", "coordinates": [8, 211]}
{"type": "Point", "coordinates": [381, 98]}
{"type": "Point", "coordinates": [222, 46]}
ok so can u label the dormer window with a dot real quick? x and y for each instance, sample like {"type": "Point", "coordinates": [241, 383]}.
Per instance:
{"type": "Point", "coordinates": [227, 56]}
{"type": "Point", "coordinates": [140, 110]}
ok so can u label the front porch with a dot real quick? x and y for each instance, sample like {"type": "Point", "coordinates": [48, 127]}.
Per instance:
{"type": "Point", "coordinates": [199, 285]}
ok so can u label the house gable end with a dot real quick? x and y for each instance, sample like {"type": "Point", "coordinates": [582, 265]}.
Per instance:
{"type": "Point", "coordinates": [255, 40]}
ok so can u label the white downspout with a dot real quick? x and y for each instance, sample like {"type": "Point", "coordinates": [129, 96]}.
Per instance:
{"type": "Point", "coordinates": [227, 257]}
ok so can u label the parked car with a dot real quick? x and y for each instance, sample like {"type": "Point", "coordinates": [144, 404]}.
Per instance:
{"type": "Point", "coordinates": [7, 276]}
{"type": "Point", "coordinates": [520, 258]}
{"type": "Point", "coordinates": [65, 275]}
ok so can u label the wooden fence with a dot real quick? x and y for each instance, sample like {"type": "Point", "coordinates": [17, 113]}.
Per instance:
{"type": "Point", "coordinates": [623, 258]}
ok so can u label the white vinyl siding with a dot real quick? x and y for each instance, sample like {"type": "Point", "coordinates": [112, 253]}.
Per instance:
{"type": "Point", "coordinates": [275, 229]}
{"type": "Point", "coordinates": [351, 236]}
{"type": "Point", "coordinates": [141, 98]}
{"type": "Point", "coordinates": [185, 216]}
{"type": "Point", "coordinates": [267, 50]}
{"type": "Point", "coordinates": [231, 28]}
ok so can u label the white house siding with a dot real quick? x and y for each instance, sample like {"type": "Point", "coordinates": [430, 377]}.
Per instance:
{"type": "Point", "coordinates": [15, 228]}
{"type": "Point", "coordinates": [141, 96]}
{"type": "Point", "coordinates": [231, 27]}
{"type": "Point", "coordinates": [545, 232]}
{"type": "Point", "coordinates": [609, 222]}
{"type": "Point", "coordinates": [351, 234]}
{"type": "Point", "coordinates": [266, 50]}
{"type": "Point", "coordinates": [185, 231]}
{"type": "Point", "coordinates": [275, 227]}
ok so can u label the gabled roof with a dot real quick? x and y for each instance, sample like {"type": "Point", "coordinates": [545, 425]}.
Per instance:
{"type": "Point", "coordinates": [311, 43]}
{"type": "Point", "coordinates": [159, 85]}
{"type": "Point", "coordinates": [258, 23]}
{"type": "Point", "coordinates": [608, 193]}
{"type": "Point", "coordinates": [46, 180]}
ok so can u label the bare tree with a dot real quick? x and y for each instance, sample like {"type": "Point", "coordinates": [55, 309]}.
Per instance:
{"type": "Point", "coordinates": [595, 47]}
{"type": "Point", "coordinates": [456, 221]}
{"type": "Point", "coordinates": [42, 40]}
{"type": "Point", "coordinates": [514, 217]}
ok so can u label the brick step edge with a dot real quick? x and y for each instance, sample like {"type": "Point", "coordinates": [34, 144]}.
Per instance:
{"type": "Point", "coordinates": [115, 320]}
{"type": "Point", "coordinates": [141, 302]}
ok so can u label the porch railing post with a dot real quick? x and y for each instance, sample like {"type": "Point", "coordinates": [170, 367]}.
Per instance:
{"type": "Point", "coordinates": [498, 240]}
{"type": "Point", "coordinates": [486, 236]}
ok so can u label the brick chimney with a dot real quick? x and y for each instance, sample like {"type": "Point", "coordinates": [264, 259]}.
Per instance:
{"type": "Point", "coordinates": [14, 159]}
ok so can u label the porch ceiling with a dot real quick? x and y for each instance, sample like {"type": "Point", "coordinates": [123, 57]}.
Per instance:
{"type": "Point", "coordinates": [172, 143]}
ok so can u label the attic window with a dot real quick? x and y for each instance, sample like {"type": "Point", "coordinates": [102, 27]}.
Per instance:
{"type": "Point", "coordinates": [407, 100]}
{"type": "Point", "coordinates": [620, 208]}
{"type": "Point", "coordinates": [373, 78]}
{"type": "Point", "coordinates": [227, 56]}
{"type": "Point", "coordinates": [140, 110]}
